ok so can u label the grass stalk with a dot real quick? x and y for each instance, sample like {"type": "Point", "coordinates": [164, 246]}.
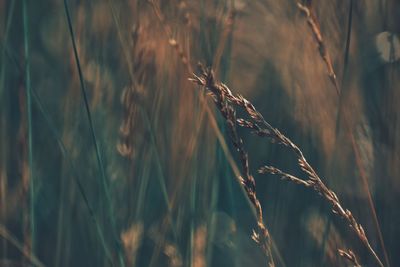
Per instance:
{"type": "Point", "coordinates": [314, 26]}
{"type": "Point", "coordinates": [100, 163]}
{"type": "Point", "coordinates": [29, 119]}
{"type": "Point", "coordinates": [29, 255]}
{"type": "Point", "coordinates": [260, 127]}
{"type": "Point", "coordinates": [261, 234]}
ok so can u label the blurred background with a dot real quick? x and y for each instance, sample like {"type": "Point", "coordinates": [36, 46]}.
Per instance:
{"type": "Point", "coordinates": [109, 156]}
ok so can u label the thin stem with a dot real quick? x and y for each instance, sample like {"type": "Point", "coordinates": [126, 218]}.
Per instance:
{"type": "Point", "coordinates": [29, 116]}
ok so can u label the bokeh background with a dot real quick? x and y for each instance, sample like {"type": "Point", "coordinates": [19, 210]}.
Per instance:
{"type": "Point", "coordinates": [147, 179]}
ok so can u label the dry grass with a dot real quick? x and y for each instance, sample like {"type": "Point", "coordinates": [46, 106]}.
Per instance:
{"type": "Point", "coordinates": [108, 157]}
{"type": "Point", "coordinates": [223, 98]}
{"type": "Point", "coordinates": [222, 95]}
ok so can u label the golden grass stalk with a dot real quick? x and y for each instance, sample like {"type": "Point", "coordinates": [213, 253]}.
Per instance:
{"type": "Point", "coordinates": [168, 31]}
{"type": "Point", "coordinates": [315, 28]}
{"type": "Point", "coordinates": [350, 256]}
{"type": "Point", "coordinates": [221, 96]}
{"type": "Point", "coordinates": [262, 128]}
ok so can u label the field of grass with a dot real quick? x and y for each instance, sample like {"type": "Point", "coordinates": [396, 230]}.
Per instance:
{"type": "Point", "coordinates": [199, 133]}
